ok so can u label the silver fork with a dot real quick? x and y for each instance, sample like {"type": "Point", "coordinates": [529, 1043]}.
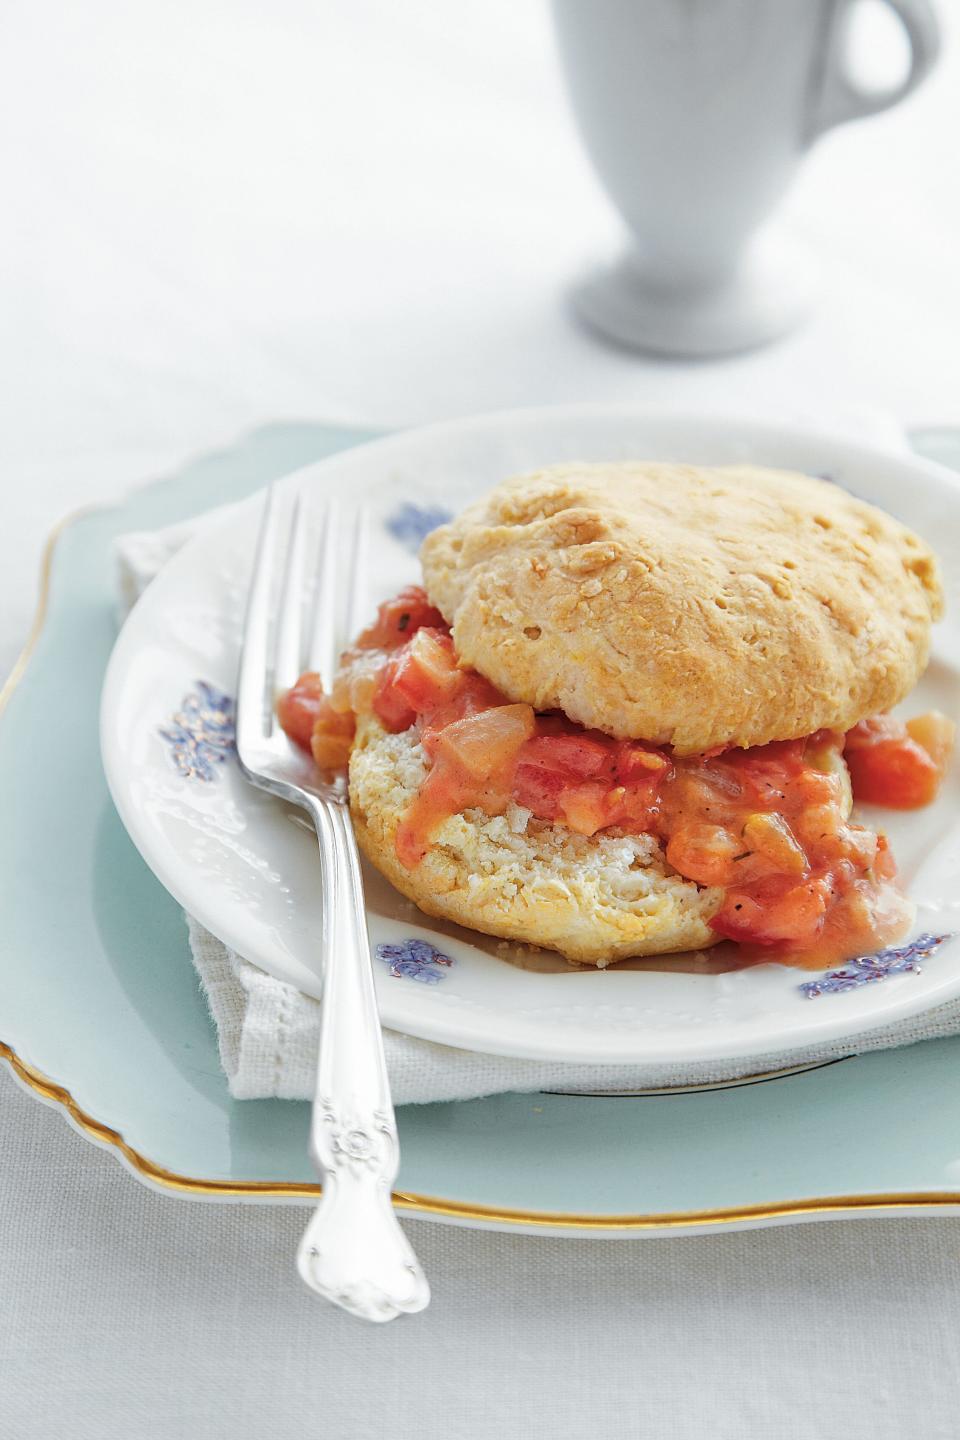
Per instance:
{"type": "Point", "coordinates": [354, 1251]}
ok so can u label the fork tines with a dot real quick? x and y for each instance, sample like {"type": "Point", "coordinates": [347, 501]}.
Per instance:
{"type": "Point", "coordinates": [296, 620]}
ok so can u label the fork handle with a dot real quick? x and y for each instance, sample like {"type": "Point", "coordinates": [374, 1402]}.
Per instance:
{"type": "Point", "coordinates": [354, 1251]}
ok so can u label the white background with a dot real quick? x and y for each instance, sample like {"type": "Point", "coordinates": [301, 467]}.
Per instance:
{"type": "Point", "coordinates": [220, 214]}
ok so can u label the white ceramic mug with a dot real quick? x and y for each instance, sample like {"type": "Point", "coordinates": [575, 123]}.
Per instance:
{"type": "Point", "coordinates": [696, 114]}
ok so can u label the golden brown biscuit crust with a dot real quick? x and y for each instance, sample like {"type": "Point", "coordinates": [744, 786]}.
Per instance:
{"type": "Point", "coordinates": [687, 606]}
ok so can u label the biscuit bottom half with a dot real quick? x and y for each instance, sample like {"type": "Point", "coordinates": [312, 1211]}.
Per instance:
{"type": "Point", "coordinates": [595, 899]}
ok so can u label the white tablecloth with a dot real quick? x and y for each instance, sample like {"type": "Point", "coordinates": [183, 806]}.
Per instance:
{"type": "Point", "coordinates": [220, 214]}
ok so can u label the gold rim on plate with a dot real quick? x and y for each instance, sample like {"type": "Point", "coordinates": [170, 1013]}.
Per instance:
{"type": "Point", "coordinates": [417, 1205]}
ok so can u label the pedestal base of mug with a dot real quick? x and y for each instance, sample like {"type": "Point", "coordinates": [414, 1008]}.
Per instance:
{"type": "Point", "coordinates": [772, 292]}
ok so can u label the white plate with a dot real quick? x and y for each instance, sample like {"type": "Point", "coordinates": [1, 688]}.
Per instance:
{"type": "Point", "coordinates": [234, 858]}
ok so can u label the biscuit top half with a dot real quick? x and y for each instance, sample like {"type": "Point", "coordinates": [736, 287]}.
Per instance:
{"type": "Point", "coordinates": [687, 606]}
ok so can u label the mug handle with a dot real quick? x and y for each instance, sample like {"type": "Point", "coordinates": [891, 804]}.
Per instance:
{"type": "Point", "coordinates": [840, 99]}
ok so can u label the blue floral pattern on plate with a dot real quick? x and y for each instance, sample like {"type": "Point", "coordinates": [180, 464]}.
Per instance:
{"type": "Point", "coordinates": [415, 959]}
{"type": "Point", "coordinates": [867, 969]}
{"type": "Point", "coordinates": [411, 523]}
{"type": "Point", "coordinates": [202, 733]}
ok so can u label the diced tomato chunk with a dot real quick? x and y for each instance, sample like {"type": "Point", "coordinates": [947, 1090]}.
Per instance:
{"type": "Point", "coordinates": [298, 708]}
{"type": "Point", "coordinates": [399, 618]}
{"type": "Point", "coordinates": [898, 773]}
{"type": "Point", "coordinates": [767, 771]}
{"type": "Point", "coordinates": [331, 752]}
{"type": "Point", "coordinates": [586, 779]}
{"type": "Point", "coordinates": [792, 916]}
{"type": "Point", "coordinates": [311, 722]}
{"type": "Point", "coordinates": [770, 835]}
{"type": "Point", "coordinates": [332, 738]}
{"type": "Point", "coordinates": [422, 682]}
{"type": "Point", "coordinates": [486, 745]}
{"type": "Point", "coordinates": [640, 762]}
{"type": "Point", "coordinates": [572, 756]}
{"type": "Point", "coordinates": [391, 708]}
{"type": "Point", "coordinates": [585, 807]}
{"type": "Point", "coordinates": [704, 853]}
{"type": "Point", "coordinates": [473, 767]}
{"type": "Point", "coordinates": [470, 696]}
{"type": "Point", "coordinates": [538, 789]}
{"type": "Point", "coordinates": [937, 734]}
{"type": "Point", "coordinates": [425, 672]}
{"type": "Point", "coordinates": [889, 767]}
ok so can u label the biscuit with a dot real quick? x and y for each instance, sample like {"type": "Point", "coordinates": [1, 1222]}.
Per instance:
{"type": "Point", "coordinates": [687, 606]}
{"type": "Point", "coordinates": [595, 899]}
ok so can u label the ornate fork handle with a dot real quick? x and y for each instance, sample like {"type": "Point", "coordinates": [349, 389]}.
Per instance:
{"type": "Point", "coordinates": [354, 1251]}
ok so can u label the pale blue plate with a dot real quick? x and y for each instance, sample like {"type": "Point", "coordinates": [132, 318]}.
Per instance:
{"type": "Point", "coordinates": [100, 1011]}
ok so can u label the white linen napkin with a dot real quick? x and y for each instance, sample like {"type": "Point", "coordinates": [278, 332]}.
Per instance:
{"type": "Point", "coordinates": [269, 1032]}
